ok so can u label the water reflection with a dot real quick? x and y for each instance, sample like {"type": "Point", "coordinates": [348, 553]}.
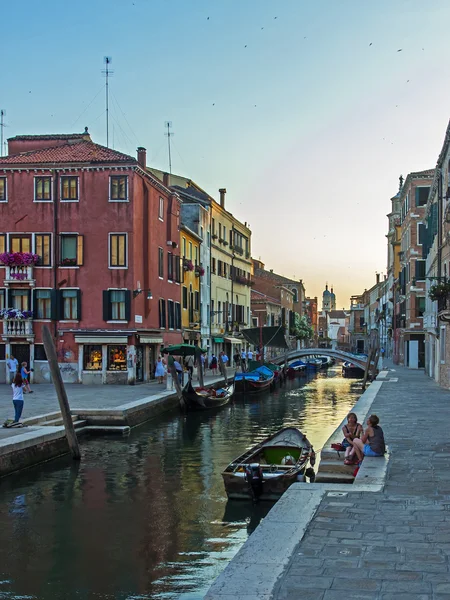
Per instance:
{"type": "Point", "coordinates": [147, 516]}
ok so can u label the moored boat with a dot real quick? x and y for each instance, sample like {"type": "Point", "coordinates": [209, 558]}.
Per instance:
{"type": "Point", "coordinates": [266, 471]}
{"type": "Point", "coordinates": [314, 364]}
{"type": "Point", "coordinates": [253, 382]}
{"type": "Point", "coordinates": [351, 370]}
{"type": "Point", "coordinates": [205, 398]}
{"type": "Point", "coordinates": [295, 368]}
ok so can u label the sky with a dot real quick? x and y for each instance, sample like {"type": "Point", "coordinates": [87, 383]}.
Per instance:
{"type": "Point", "coordinates": [307, 112]}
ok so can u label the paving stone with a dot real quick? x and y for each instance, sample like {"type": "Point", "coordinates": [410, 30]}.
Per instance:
{"type": "Point", "coordinates": [367, 585]}
{"type": "Point", "coordinates": [356, 595]}
{"type": "Point", "coordinates": [393, 575]}
{"type": "Point", "coordinates": [294, 593]}
{"type": "Point", "coordinates": [412, 587]}
{"type": "Point", "coordinates": [406, 597]}
{"type": "Point", "coordinates": [348, 573]}
{"type": "Point", "coordinates": [441, 588]}
{"type": "Point", "coordinates": [340, 552]}
{"type": "Point", "coordinates": [304, 582]}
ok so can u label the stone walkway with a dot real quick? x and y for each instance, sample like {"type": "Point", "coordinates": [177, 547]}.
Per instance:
{"type": "Point", "coordinates": [393, 544]}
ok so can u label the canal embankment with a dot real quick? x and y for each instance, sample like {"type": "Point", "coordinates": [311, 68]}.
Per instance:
{"type": "Point", "coordinates": [386, 536]}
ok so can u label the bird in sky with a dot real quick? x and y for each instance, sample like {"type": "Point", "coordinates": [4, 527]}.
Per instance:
{"type": "Point", "coordinates": [370, 44]}
{"type": "Point", "coordinates": [275, 17]}
{"type": "Point", "coordinates": [407, 81]}
{"type": "Point", "coordinates": [207, 18]}
{"type": "Point", "coordinates": [245, 46]}
{"type": "Point", "coordinates": [400, 50]}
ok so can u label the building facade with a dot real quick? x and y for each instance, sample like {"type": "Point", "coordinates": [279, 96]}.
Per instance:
{"type": "Point", "coordinates": [86, 234]}
{"type": "Point", "coordinates": [192, 273]}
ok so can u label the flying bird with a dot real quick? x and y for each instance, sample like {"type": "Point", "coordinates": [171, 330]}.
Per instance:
{"type": "Point", "coordinates": [262, 28]}
{"type": "Point", "coordinates": [275, 17]}
{"type": "Point", "coordinates": [400, 50]}
{"type": "Point", "coordinates": [245, 46]}
{"type": "Point", "coordinates": [207, 18]}
{"type": "Point", "coordinates": [370, 44]}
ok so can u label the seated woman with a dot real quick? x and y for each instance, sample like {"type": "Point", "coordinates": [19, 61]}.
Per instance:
{"type": "Point", "coordinates": [288, 460]}
{"type": "Point", "coordinates": [352, 430]}
{"type": "Point", "coordinates": [370, 444]}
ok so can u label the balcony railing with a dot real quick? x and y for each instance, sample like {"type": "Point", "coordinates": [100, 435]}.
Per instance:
{"type": "Point", "coordinates": [17, 327]}
{"type": "Point", "coordinates": [242, 280]}
{"type": "Point", "coordinates": [19, 273]}
{"type": "Point", "coordinates": [444, 307]}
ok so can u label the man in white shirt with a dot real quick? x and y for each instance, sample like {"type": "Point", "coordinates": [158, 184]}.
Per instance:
{"type": "Point", "coordinates": [250, 355]}
{"type": "Point", "coordinates": [13, 367]}
{"type": "Point", "coordinates": [244, 360]}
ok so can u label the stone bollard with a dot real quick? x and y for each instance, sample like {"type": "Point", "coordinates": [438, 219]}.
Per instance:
{"type": "Point", "coordinates": [169, 382]}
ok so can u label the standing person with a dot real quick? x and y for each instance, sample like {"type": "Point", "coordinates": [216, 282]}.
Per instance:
{"type": "Point", "coordinates": [371, 442]}
{"type": "Point", "coordinates": [244, 360]}
{"type": "Point", "coordinates": [189, 364]}
{"type": "Point", "coordinates": [13, 367]}
{"type": "Point", "coordinates": [25, 373]}
{"type": "Point", "coordinates": [160, 370]}
{"type": "Point", "coordinates": [213, 364]}
{"type": "Point", "coordinates": [224, 358]}
{"type": "Point", "coordinates": [17, 387]}
{"type": "Point", "coordinates": [237, 359]}
{"type": "Point", "coordinates": [179, 370]}
{"type": "Point", "coordinates": [249, 355]}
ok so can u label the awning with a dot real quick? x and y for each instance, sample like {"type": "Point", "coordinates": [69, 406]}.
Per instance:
{"type": "Point", "coordinates": [101, 339]}
{"type": "Point", "coordinates": [146, 339]}
{"type": "Point", "coordinates": [273, 337]}
{"type": "Point", "coordinates": [218, 340]}
{"type": "Point", "coordinates": [234, 340]}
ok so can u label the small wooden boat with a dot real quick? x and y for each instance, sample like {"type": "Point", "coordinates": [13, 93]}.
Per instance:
{"type": "Point", "coordinates": [205, 398]}
{"type": "Point", "coordinates": [266, 471]}
{"type": "Point", "coordinates": [253, 382]}
{"type": "Point", "coordinates": [295, 368]}
{"type": "Point", "coordinates": [351, 370]}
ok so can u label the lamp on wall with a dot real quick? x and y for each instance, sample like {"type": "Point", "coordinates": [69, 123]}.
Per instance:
{"type": "Point", "coordinates": [139, 291]}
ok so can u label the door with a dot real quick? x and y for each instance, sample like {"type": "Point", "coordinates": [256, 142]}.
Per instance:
{"type": "Point", "coordinates": [413, 354]}
{"type": "Point", "coordinates": [21, 352]}
{"type": "Point", "coordinates": [139, 363]}
{"type": "Point", "coordinates": [360, 346]}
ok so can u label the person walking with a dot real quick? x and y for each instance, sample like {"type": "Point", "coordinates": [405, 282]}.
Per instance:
{"type": "Point", "coordinates": [244, 360]}
{"type": "Point", "coordinates": [224, 359]}
{"type": "Point", "coordinates": [160, 370]}
{"type": "Point", "coordinates": [189, 364]}
{"type": "Point", "coordinates": [179, 370]}
{"type": "Point", "coordinates": [213, 364]}
{"type": "Point", "coordinates": [25, 373]}
{"type": "Point", "coordinates": [13, 367]}
{"type": "Point", "coordinates": [237, 359]}
{"type": "Point", "coordinates": [249, 355]}
{"type": "Point", "coordinates": [17, 388]}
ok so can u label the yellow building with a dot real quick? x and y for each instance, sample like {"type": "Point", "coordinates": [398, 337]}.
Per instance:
{"type": "Point", "coordinates": [192, 274]}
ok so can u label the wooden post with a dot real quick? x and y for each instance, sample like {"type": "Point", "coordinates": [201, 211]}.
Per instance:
{"type": "Point", "coordinates": [173, 372]}
{"type": "Point", "coordinates": [198, 356]}
{"type": "Point", "coordinates": [52, 358]}
{"type": "Point", "coordinates": [366, 370]}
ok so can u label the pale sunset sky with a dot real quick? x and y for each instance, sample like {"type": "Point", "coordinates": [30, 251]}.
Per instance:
{"type": "Point", "coordinates": [307, 112]}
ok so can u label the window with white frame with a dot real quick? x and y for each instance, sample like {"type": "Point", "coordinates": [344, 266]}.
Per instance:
{"type": "Point", "coordinates": [69, 188]}
{"type": "Point", "coordinates": [117, 305]}
{"type": "Point", "coordinates": [42, 189]}
{"type": "Point", "coordinates": [118, 250]}
{"type": "Point", "coordinates": [69, 301]}
{"type": "Point", "coordinates": [161, 208]}
{"type": "Point", "coordinates": [118, 188]}
{"type": "Point", "coordinates": [3, 190]}
{"type": "Point", "coordinates": [42, 304]}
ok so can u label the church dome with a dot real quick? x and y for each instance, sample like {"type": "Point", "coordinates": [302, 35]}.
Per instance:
{"type": "Point", "coordinates": [326, 292]}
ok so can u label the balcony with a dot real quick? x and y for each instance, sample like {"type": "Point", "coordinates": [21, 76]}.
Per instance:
{"type": "Point", "coordinates": [238, 250]}
{"type": "Point", "coordinates": [443, 304]}
{"type": "Point", "coordinates": [19, 274]}
{"type": "Point", "coordinates": [15, 328]}
{"type": "Point", "coordinates": [242, 280]}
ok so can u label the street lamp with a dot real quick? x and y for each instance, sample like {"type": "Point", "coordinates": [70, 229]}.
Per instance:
{"type": "Point", "coordinates": [139, 291]}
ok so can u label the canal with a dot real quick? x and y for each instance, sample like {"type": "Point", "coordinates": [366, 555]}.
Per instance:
{"type": "Point", "coordinates": [147, 516]}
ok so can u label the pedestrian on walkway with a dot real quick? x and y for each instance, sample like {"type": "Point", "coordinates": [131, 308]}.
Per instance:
{"type": "Point", "coordinates": [179, 370]}
{"type": "Point", "coordinates": [189, 364]}
{"type": "Point", "coordinates": [13, 367]}
{"type": "Point", "coordinates": [237, 359]}
{"type": "Point", "coordinates": [371, 442]}
{"type": "Point", "coordinates": [249, 354]}
{"type": "Point", "coordinates": [160, 370]}
{"type": "Point", "coordinates": [213, 364]}
{"type": "Point", "coordinates": [25, 373]}
{"type": "Point", "coordinates": [244, 360]}
{"type": "Point", "coordinates": [17, 388]}
{"type": "Point", "coordinates": [224, 358]}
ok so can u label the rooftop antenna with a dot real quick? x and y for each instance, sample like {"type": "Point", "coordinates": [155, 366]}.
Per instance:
{"type": "Point", "coordinates": [168, 125]}
{"type": "Point", "coordinates": [107, 72]}
{"type": "Point", "coordinates": [2, 125]}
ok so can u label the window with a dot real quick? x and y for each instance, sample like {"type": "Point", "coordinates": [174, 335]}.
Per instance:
{"type": "Point", "coordinates": [185, 297]}
{"type": "Point", "coordinates": [2, 242]}
{"type": "Point", "coordinates": [69, 189]}
{"type": "Point", "coordinates": [220, 231]}
{"type": "Point", "coordinates": [42, 189]}
{"type": "Point", "coordinates": [3, 191]}
{"type": "Point", "coordinates": [171, 314]}
{"type": "Point", "coordinates": [2, 299]}
{"type": "Point", "coordinates": [20, 243]}
{"type": "Point", "coordinates": [190, 251]}
{"type": "Point", "coordinates": [116, 305]}
{"type": "Point", "coordinates": [161, 262]}
{"type": "Point", "coordinates": [39, 352]}
{"type": "Point", "coordinates": [161, 208]}
{"type": "Point", "coordinates": [42, 305]}
{"type": "Point", "coordinates": [118, 250]}
{"type": "Point", "coordinates": [219, 312]}
{"type": "Point", "coordinates": [442, 345]}
{"type": "Point", "coordinates": [69, 304]}
{"type": "Point", "coordinates": [177, 315]}
{"type": "Point", "coordinates": [196, 255]}
{"type": "Point", "coordinates": [422, 195]}
{"type": "Point", "coordinates": [420, 233]}
{"type": "Point", "coordinates": [117, 358]}
{"type": "Point", "coordinates": [213, 265]}
{"type": "Point", "coordinates": [20, 299]}
{"type": "Point", "coordinates": [208, 239]}
{"type": "Point", "coordinates": [71, 250]}
{"type": "Point", "coordinates": [196, 301]}
{"type": "Point", "coordinates": [213, 314]}
{"type": "Point", "coordinates": [183, 247]}
{"type": "Point", "coordinates": [170, 266]}
{"type": "Point", "coordinates": [213, 227]}
{"type": "Point", "coordinates": [420, 269]}
{"type": "Point", "coordinates": [43, 248]}
{"type": "Point", "coordinates": [420, 306]}
{"type": "Point", "coordinates": [92, 358]}
{"type": "Point", "coordinates": [162, 313]}
{"type": "Point", "coordinates": [201, 232]}
{"type": "Point", "coordinates": [118, 188]}
{"type": "Point", "coordinates": [177, 269]}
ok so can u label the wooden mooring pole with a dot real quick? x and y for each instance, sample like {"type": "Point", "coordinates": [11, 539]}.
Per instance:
{"type": "Point", "coordinates": [50, 351]}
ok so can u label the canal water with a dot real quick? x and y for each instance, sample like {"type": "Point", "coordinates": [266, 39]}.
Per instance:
{"type": "Point", "coordinates": [147, 516]}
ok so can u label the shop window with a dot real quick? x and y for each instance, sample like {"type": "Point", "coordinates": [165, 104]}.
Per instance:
{"type": "Point", "coordinates": [117, 358]}
{"type": "Point", "coordinates": [42, 189]}
{"type": "Point", "coordinates": [116, 305]}
{"type": "Point", "coordinates": [69, 302]}
{"type": "Point", "coordinates": [3, 193]}
{"type": "Point", "coordinates": [118, 250]}
{"type": "Point", "coordinates": [43, 248]}
{"type": "Point", "coordinates": [20, 243]}
{"type": "Point", "coordinates": [92, 358]}
{"type": "Point", "coordinates": [39, 352]}
{"type": "Point", "coordinates": [71, 250]}
{"type": "Point", "coordinates": [118, 188]}
{"type": "Point", "coordinates": [69, 189]}
{"type": "Point", "coordinates": [42, 305]}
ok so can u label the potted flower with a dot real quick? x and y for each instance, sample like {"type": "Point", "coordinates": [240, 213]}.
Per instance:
{"type": "Point", "coordinates": [188, 265]}
{"type": "Point", "coordinates": [15, 259]}
{"type": "Point", "coordinates": [199, 271]}
{"type": "Point", "coordinates": [69, 262]}
{"type": "Point", "coordinates": [439, 290]}
{"type": "Point", "coordinates": [15, 313]}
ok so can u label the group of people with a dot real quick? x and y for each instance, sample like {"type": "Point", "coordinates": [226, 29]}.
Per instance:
{"type": "Point", "coordinates": [359, 442]}
{"type": "Point", "coordinates": [20, 384]}
{"type": "Point", "coordinates": [242, 358]}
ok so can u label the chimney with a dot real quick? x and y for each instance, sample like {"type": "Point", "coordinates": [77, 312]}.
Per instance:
{"type": "Point", "coordinates": [378, 278]}
{"type": "Point", "coordinates": [142, 157]}
{"type": "Point", "coordinates": [166, 180]}
{"type": "Point", "coordinates": [222, 193]}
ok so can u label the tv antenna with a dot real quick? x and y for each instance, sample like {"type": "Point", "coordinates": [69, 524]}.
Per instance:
{"type": "Point", "coordinates": [107, 72]}
{"type": "Point", "coordinates": [2, 125]}
{"type": "Point", "coordinates": [168, 125]}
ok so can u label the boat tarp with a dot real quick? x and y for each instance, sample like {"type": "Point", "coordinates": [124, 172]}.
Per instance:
{"type": "Point", "coordinates": [288, 437]}
{"type": "Point", "coordinates": [272, 337]}
{"type": "Point", "coordinates": [264, 371]}
{"type": "Point", "coordinates": [297, 363]}
{"type": "Point", "coordinates": [254, 364]}
{"type": "Point", "coordinates": [253, 376]}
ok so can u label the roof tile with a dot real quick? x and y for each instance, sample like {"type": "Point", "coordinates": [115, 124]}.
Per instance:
{"type": "Point", "coordinates": [79, 152]}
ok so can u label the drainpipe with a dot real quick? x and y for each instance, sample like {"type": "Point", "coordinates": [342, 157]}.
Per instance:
{"type": "Point", "coordinates": [439, 257]}
{"type": "Point", "coordinates": [55, 241]}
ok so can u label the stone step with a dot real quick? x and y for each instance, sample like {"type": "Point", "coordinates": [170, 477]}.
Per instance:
{"type": "Point", "coordinates": [58, 421]}
{"type": "Point", "coordinates": [107, 429]}
{"type": "Point", "coordinates": [327, 477]}
{"type": "Point", "coordinates": [333, 466]}
{"type": "Point", "coordinates": [41, 419]}
{"type": "Point", "coordinates": [79, 424]}
{"type": "Point", "coordinates": [329, 454]}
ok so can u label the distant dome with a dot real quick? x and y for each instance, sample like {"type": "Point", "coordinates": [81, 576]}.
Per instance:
{"type": "Point", "coordinates": [326, 292]}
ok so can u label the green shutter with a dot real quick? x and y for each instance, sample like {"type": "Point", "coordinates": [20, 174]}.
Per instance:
{"type": "Point", "coordinates": [55, 299]}
{"type": "Point", "coordinates": [128, 305]}
{"type": "Point", "coordinates": [106, 305]}
{"type": "Point", "coordinates": [79, 305]}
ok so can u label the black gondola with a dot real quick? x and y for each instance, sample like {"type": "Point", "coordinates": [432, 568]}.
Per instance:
{"type": "Point", "coordinates": [205, 398]}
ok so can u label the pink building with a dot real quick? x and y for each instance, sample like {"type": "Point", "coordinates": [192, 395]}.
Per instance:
{"type": "Point", "coordinates": [106, 281]}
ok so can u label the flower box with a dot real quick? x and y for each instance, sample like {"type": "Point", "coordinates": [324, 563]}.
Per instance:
{"type": "Point", "coordinates": [199, 271]}
{"type": "Point", "coordinates": [188, 265]}
{"type": "Point", "coordinates": [15, 313]}
{"type": "Point", "coordinates": [13, 259]}
{"type": "Point", "coordinates": [69, 262]}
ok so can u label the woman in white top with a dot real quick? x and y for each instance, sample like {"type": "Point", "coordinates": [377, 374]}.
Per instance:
{"type": "Point", "coordinates": [17, 387]}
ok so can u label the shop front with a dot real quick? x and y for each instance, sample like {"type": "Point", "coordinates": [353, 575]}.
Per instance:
{"type": "Point", "coordinates": [106, 359]}
{"type": "Point", "coordinates": [147, 352]}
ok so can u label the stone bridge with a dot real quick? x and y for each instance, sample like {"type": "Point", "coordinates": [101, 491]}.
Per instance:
{"type": "Point", "coordinates": [356, 359]}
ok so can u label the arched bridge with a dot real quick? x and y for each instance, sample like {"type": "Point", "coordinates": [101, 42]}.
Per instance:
{"type": "Point", "coordinates": [356, 359]}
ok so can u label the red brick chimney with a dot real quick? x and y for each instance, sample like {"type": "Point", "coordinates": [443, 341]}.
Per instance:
{"type": "Point", "coordinates": [142, 157]}
{"type": "Point", "coordinates": [166, 179]}
{"type": "Point", "coordinates": [222, 193]}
